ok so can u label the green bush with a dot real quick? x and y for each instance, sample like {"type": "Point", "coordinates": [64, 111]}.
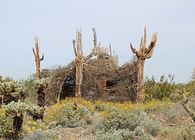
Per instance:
{"type": "Point", "coordinates": [121, 134]}
{"type": "Point", "coordinates": [126, 125]}
{"type": "Point", "coordinates": [152, 127]}
{"type": "Point", "coordinates": [70, 116]}
{"type": "Point", "coordinates": [120, 120]}
{"type": "Point", "coordinates": [190, 87]}
{"type": "Point", "coordinates": [11, 119]}
{"type": "Point", "coordinates": [11, 90]}
{"type": "Point", "coordinates": [42, 83]}
{"type": "Point", "coordinates": [31, 95]}
{"type": "Point", "coordinates": [6, 129]}
{"type": "Point", "coordinates": [159, 90]}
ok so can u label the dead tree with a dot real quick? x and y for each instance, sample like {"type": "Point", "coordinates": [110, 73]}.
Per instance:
{"type": "Point", "coordinates": [40, 90]}
{"type": "Point", "coordinates": [142, 54]}
{"type": "Point", "coordinates": [78, 50]}
{"type": "Point", "coordinates": [38, 59]}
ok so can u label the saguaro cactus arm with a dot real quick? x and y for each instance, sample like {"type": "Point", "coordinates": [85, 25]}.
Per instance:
{"type": "Point", "coordinates": [145, 52]}
{"type": "Point", "coordinates": [36, 49]}
{"type": "Point", "coordinates": [134, 50]}
{"type": "Point", "coordinates": [42, 57]}
{"type": "Point", "coordinates": [150, 49]}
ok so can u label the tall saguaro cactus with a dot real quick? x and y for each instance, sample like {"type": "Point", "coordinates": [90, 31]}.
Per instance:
{"type": "Point", "coordinates": [38, 59]}
{"type": "Point", "coordinates": [78, 50]}
{"type": "Point", "coordinates": [142, 54]}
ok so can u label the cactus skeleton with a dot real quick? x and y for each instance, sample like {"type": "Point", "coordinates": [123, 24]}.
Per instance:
{"type": "Point", "coordinates": [142, 54]}
{"type": "Point", "coordinates": [78, 50]}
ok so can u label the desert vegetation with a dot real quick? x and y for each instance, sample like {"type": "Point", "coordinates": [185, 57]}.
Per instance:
{"type": "Point", "coordinates": [93, 98]}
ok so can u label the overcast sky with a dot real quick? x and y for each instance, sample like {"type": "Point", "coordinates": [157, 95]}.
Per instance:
{"type": "Point", "coordinates": [118, 22]}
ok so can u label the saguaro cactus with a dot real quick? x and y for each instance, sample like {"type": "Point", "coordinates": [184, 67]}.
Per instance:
{"type": "Point", "coordinates": [142, 54]}
{"type": "Point", "coordinates": [77, 45]}
{"type": "Point", "coordinates": [38, 59]}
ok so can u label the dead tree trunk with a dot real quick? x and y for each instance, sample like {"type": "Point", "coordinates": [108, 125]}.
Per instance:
{"type": "Point", "coordinates": [38, 59]}
{"type": "Point", "coordinates": [77, 45]}
{"type": "Point", "coordinates": [142, 54]}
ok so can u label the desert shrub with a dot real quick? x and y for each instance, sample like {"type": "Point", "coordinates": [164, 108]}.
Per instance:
{"type": "Point", "coordinates": [41, 135]}
{"type": "Point", "coordinates": [122, 134]}
{"type": "Point", "coordinates": [15, 111]}
{"type": "Point", "coordinates": [70, 116]}
{"type": "Point", "coordinates": [159, 90]}
{"type": "Point", "coordinates": [35, 111]}
{"type": "Point", "coordinates": [32, 86]}
{"type": "Point", "coordinates": [172, 114]}
{"type": "Point", "coordinates": [31, 126]}
{"type": "Point", "coordinates": [5, 79]}
{"type": "Point", "coordinates": [11, 90]}
{"type": "Point", "coordinates": [31, 96]}
{"type": "Point", "coordinates": [149, 106]}
{"type": "Point", "coordinates": [11, 120]}
{"type": "Point", "coordinates": [19, 108]}
{"type": "Point", "coordinates": [42, 83]}
{"type": "Point", "coordinates": [152, 127]}
{"type": "Point", "coordinates": [190, 87]}
{"type": "Point", "coordinates": [6, 129]}
{"type": "Point", "coordinates": [133, 124]}
{"type": "Point", "coordinates": [120, 120]}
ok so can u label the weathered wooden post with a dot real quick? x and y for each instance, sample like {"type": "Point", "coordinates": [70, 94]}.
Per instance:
{"type": "Point", "coordinates": [142, 54]}
{"type": "Point", "coordinates": [38, 59]}
{"type": "Point", "coordinates": [78, 50]}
